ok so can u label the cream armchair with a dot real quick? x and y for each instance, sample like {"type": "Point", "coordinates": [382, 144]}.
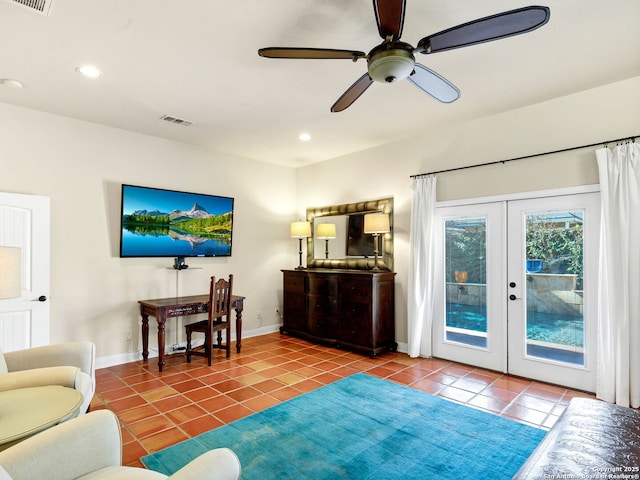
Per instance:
{"type": "Point", "coordinates": [67, 364]}
{"type": "Point", "coordinates": [89, 447]}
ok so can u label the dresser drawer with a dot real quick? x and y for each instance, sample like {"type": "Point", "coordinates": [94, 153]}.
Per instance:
{"type": "Point", "coordinates": [355, 289]}
{"type": "Point", "coordinates": [294, 282]}
{"type": "Point", "coordinates": [325, 285]}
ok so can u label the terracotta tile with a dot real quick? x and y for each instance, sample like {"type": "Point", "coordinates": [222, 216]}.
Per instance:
{"type": "Point", "coordinates": [185, 414]}
{"type": "Point", "coordinates": [534, 403]}
{"type": "Point", "coordinates": [268, 385]}
{"type": "Point", "coordinates": [403, 378]}
{"type": "Point", "coordinates": [251, 378]}
{"type": "Point", "coordinates": [171, 403]}
{"type": "Point", "coordinates": [192, 384]}
{"type": "Point", "coordinates": [307, 385]}
{"type": "Point", "coordinates": [243, 394]}
{"type": "Point", "coordinates": [285, 393]}
{"type": "Point", "coordinates": [261, 402]}
{"type": "Point", "coordinates": [200, 394]}
{"type": "Point", "coordinates": [326, 378]}
{"type": "Point", "coordinates": [149, 385]}
{"type": "Point", "coordinates": [456, 394]}
{"type": "Point", "coordinates": [108, 385]}
{"type": "Point", "coordinates": [117, 393]}
{"type": "Point", "coordinates": [380, 372]}
{"type": "Point", "coordinates": [502, 394]}
{"type": "Point", "coordinates": [232, 413]}
{"type": "Point", "coordinates": [469, 385]}
{"type": "Point", "coordinates": [491, 404]}
{"type": "Point", "coordinates": [228, 386]}
{"type": "Point", "coordinates": [442, 378]}
{"type": "Point", "coordinates": [290, 378]}
{"type": "Point", "coordinates": [137, 414]}
{"type": "Point", "coordinates": [164, 439]}
{"type": "Point", "coordinates": [512, 384]}
{"type": "Point", "coordinates": [428, 386]}
{"type": "Point", "coordinates": [200, 425]}
{"type": "Point", "coordinates": [126, 403]}
{"type": "Point", "coordinates": [158, 394]}
{"type": "Point", "coordinates": [150, 426]}
{"type": "Point", "coordinates": [131, 453]}
{"type": "Point", "coordinates": [525, 414]}
{"type": "Point", "coordinates": [216, 403]}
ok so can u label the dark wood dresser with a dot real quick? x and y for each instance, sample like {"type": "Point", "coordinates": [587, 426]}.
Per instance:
{"type": "Point", "coordinates": [351, 309]}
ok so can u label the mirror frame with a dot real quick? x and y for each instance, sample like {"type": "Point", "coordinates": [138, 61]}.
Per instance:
{"type": "Point", "coordinates": [385, 257]}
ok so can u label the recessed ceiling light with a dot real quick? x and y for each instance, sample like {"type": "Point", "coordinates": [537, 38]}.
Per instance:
{"type": "Point", "coordinates": [304, 137]}
{"type": "Point", "coordinates": [89, 71]}
{"type": "Point", "coordinates": [10, 82]}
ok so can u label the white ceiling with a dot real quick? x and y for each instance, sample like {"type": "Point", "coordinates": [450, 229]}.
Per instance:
{"type": "Point", "coordinates": [197, 60]}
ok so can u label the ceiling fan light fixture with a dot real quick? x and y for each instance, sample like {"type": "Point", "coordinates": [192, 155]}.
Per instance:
{"type": "Point", "coordinates": [388, 66]}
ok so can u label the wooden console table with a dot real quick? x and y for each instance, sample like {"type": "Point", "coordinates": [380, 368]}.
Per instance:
{"type": "Point", "coordinates": [163, 308]}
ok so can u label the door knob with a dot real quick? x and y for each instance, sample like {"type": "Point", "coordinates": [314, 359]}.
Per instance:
{"type": "Point", "coordinates": [42, 298]}
{"type": "Point", "coordinates": [512, 284]}
{"type": "Point", "coordinates": [512, 297]}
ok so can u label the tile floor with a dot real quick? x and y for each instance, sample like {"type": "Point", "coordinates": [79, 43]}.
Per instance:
{"type": "Point", "coordinates": [159, 409]}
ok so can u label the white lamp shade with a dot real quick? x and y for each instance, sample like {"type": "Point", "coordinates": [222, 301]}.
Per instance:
{"type": "Point", "coordinates": [300, 229]}
{"type": "Point", "coordinates": [376, 223]}
{"type": "Point", "coordinates": [10, 272]}
{"type": "Point", "coordinates": [326, 231]}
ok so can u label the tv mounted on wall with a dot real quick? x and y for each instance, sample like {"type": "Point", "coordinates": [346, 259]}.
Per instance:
{"type": "Point", "coordinates": [168, 223]}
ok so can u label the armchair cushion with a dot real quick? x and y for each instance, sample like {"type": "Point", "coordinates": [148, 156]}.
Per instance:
{"type": "Point", "coordinates": [89, 448]}
{"type": "Point", "coordinates": [74, 354]}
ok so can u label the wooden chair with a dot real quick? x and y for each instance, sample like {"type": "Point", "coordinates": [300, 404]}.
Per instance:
{"type": "Point", "coordinates": [219, 319]}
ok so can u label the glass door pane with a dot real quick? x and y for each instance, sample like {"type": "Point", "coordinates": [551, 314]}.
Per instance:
{"type": "Point", "coordinates": [469, 312]}
{"type": "Point", "coordinates": [466, 281]}
{"type": "Point", "coordinates": [555, 293]}
{"type": "Point", "coordinates": [552, 288]}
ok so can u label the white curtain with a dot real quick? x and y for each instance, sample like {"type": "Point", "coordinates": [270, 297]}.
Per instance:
{"type": "Point", "coordinates": [618, 364]}
{"type": "Point", "coordinates": [421, 260]}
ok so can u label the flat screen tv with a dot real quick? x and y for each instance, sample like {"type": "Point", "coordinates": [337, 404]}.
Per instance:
{"type": "Point", "coordinates": [359, 244]}
{"type": "Point", "coordinates": [169, 223]}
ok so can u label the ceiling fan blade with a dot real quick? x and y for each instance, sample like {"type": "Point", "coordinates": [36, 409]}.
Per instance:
{"type": "Point", "coordinates": [389, 17]}
{"type": "Point", "coordinates": [311, 53]}
{"type": "Point", "coordinates": [352, 93]}
{"type": "Point", "coordinates": [434, 84]}
{"type": "Point", "coordinates": [487, 29]}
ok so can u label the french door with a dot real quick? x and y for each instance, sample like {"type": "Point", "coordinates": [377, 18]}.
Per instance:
{"type": "Point", "coordinates": [517, 287]}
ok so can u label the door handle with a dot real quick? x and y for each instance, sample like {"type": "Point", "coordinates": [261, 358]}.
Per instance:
{"type": "Point", "coordinates": [41, 298]}
{"type": "Point", "coordinates": [513, 297]}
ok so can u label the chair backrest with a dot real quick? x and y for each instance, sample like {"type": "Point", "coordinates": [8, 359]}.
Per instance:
{"type": "Point", "coordinates": [220, 298]}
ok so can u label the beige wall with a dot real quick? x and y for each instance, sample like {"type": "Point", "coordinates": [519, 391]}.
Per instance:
{"type": "Point", "coordinates": [609, 112]}
{"type": "Point", "coordinates": [81, 165]}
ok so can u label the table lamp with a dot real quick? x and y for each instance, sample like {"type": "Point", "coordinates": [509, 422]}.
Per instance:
{"type": "Point", "coordinates": [300, 230]}
{"type": "Point", "coordinates": [375, 224]}
{"type": "Point", "coordinates": [326, 231]}
{"type": "Point", "coordinates": [10, 272]}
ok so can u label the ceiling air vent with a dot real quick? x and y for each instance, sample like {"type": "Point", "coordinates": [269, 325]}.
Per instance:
{"type": "Point", "coordinates": [40, 6]}
{"type": "Point", "coordinates": [177, 121]}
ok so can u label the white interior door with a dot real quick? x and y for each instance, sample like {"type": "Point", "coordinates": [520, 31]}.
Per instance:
{"type": "Point", "coordinates": [25, 223]}
{"type": "Point", "coordinates": [553, 289]}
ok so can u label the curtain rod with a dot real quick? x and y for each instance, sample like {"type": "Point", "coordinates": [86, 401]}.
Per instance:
{"type": "Point", "coordinates": [525, 157]}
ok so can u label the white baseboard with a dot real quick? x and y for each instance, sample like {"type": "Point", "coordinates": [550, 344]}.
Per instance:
{"type": "Point", "coordinates": [111, 360]}
{"type": "Point", "coordinates": [119, 359]}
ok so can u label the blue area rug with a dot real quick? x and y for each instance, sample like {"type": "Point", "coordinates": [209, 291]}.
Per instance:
{"type": "Point", "coordinates": [362, 427]}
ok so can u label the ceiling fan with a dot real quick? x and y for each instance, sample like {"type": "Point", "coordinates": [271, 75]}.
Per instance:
{"type": "Point", "coordinates": [394, 60]}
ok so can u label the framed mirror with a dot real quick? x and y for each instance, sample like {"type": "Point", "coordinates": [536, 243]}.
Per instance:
{"type": "Point", "coordinates": [351, 248]}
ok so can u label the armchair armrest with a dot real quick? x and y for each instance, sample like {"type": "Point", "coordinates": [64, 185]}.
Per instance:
{"type": "Point", "coordinates": [218, 464]}
{"type": "Point", "coordinates": [63, 376]}
{"type": "Point", "coordinates": [70, 450]}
